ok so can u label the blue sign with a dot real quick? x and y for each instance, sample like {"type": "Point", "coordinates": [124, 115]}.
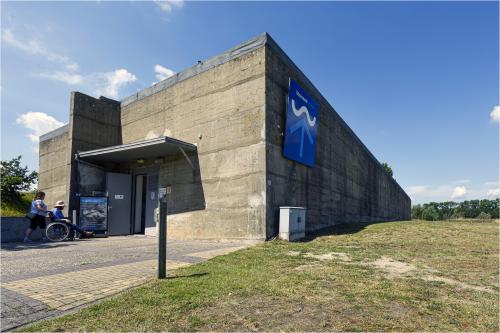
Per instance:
{"type": "Point", "coordinates": [301, 126]}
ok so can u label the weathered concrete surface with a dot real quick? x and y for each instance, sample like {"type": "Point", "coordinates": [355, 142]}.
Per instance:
{"type": "Point", "coordinates": [224, 197]}
{"type": "Point", "coordinates": [233, 108]}
{"type": "Point", "coordinates": [347, 185]}
{"type": "Point", "coordinates": [93, 123]}
{"type": "Point", "coordinates": [13, 229]}
{"type": "Point", "coordinates": [53, 167]}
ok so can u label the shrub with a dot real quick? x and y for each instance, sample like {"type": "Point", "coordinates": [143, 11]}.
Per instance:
{"type": "Point", "coordinates": [430, 214]}
{"type": "Point", "coordinates": [416, 212]}
{"type": "Point", "coordinates": [483, 216]}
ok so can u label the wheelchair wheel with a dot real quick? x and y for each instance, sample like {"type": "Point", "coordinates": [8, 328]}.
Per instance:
{"type": "Point", "coordinates": [57, 231]}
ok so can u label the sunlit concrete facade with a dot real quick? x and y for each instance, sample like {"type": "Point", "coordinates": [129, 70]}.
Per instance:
{"type": "Point", "coordinates": [232, 109]}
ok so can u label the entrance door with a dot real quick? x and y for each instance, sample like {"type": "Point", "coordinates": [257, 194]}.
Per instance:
{"type": "Point", "coordinates": [118, 186]}
{"type": "Point", "coordinates": [140, 203]}
{"type": "Point", "coordinates": [151, 203]}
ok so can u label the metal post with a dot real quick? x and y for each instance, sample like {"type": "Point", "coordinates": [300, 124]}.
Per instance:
{"type": "Point", "coordinates": [162, 234]}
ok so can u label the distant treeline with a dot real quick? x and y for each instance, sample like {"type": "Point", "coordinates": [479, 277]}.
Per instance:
{"type": "Point", "coordinates": [471, 209]}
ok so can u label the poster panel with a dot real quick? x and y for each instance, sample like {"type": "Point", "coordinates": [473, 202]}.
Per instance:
{"type": "Point", "coordinates": [94, 213]}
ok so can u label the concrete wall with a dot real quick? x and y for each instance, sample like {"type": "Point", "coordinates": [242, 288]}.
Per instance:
{"type": "Point", "coordinates": [93, 123]}
{"type": "Point", "coordinates": [233, 108]}
{"type": "Point", "coordinates": [347, 185]}
{"type": "Point", "coordinates": [13, 229]}
{"type": "Point", "coordinates": [224, 196]}
{"type": "Point", "coordinates": [53, 165]}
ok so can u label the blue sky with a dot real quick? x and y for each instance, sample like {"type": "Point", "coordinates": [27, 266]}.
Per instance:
{"type": "Point", "coordinates": [417, 82]}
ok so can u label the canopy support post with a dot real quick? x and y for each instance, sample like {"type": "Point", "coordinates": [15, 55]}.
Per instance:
{"type": "Point", "coordinates": [187, 158]}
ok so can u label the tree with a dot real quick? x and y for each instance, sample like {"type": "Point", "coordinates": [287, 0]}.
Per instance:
{"type": "Point", "coordinates": [387, 168]}
{"type": "Point", "coordinates": [468, 209]}
{"type": "Point", "coordinates": [430, 213]}
{"type": "Point", "coordinates": [484, 216]}
{"type": "Point", "coordinates": [15, 178]}
{"type": "Point", "coordinates": [416, 212]}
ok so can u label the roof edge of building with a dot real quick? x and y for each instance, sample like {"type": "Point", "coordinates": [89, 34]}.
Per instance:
{"type": "Point", "coordinates": [52, 134]}
{"type": "Point", "coordinates": [202, 66]}
{"type": "Point", "coordinates": [237, 51]}
{"type": "Point", "coordinates": [270, 42]}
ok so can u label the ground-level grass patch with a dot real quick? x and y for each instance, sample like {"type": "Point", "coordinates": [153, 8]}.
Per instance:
{"type": "Point", "coordinates": [403, 276]}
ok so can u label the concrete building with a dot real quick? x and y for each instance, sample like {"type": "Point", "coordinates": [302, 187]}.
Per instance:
{"type": "Point", "coordinates": [212, 136]}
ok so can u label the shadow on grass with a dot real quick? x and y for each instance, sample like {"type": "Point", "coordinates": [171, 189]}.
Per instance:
{"type": "Point", "coordinates": [340, 229]}
{"type": "Point", "coordinates": [186, 276]}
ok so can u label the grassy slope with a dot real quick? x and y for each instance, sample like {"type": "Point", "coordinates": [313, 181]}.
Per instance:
{"type": "Point", "coordinates": [16, 207]}
{"type": "Point", "coordinates": [265, 288]}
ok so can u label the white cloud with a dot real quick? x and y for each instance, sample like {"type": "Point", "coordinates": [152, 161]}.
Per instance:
{"type": "Point", "coordinates": [38, 123]}
{"type": "Point", "coordinates": [425, 193]}
{"type": "Point", "coordinates": [493, 193]}
{"type": "Point", "coordinates": [69, 78]}
{"type": "Point", "coordinates": [162, 73]}
{"type": "Point", "coordinates": [168, 5]}
{"type": "Point", "coordinates": [462, 181]}
{"type": "Point", "coordinates": [495, 113]}
{"type": "Point", "coordinates": [419, 189]}
{"type": "Point", "coordinates": [429, 193]}
{"type": "Point", "coordinates": [72, 67]}
{"type": "Point", "coordinates": [110, 83]}
{"type": "Point", "coordinates": [35, 47]}
{"type": "Point", "coordinates": [459, 192]}
{"type": "Point", "coordinates": [102, 83]}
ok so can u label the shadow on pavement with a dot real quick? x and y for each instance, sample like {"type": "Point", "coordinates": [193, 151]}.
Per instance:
{"type": "Point", "coordinates": [19, 246]}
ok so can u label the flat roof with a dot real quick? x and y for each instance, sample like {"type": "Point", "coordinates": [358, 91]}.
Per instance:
{"type": "Point", "coordinates": [146, 149]}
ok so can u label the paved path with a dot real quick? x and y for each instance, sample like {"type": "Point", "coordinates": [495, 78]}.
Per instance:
{"type": "Point", "coordinates": [41, 280]}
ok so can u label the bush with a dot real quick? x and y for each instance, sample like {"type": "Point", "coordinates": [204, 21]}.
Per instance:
{"type": "Point", "coordinates": [483, 216]}
{"type": "Point", "coordinates": [430, 214]}
{"type": "Point", "coordinates": [416, 212]}
{"type": "Point", "coordinates": [17, 206]}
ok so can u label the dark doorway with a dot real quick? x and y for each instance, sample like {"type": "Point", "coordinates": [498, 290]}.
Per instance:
{"type": "Point", "coordinates": [140, 204]}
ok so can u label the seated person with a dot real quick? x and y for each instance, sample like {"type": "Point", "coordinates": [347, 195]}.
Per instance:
{"type": "Point", "coordinates": [57, 215]}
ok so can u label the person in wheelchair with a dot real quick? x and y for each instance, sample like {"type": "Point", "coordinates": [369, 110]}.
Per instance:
{"type": "Point", "coordinates": [56, 215]}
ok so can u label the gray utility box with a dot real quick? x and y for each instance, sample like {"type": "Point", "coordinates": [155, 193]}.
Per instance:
{"type": "Point", "coordinates": [292, 223]}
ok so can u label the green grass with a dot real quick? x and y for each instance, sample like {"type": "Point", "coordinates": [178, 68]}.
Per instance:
{"type": "Point", "coordinates": [270, 288]}
{"type": "Point", "coordinates": [18, 206]}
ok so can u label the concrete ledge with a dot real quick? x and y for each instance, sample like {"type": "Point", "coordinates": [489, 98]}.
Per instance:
{"type": "Point", "coordinates": [52, 134]}
{"type": "Point", "coordinates": [13, 229]}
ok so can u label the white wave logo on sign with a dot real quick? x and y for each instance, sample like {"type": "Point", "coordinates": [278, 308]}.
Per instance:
{"type": "Point", "coordinates": [302, 110]}
{"type": "Point", "coordinates": [301, 125]}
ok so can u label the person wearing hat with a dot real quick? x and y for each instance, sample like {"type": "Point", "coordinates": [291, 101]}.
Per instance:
{"type": "Point", "coordinates": [57, 210]}
{"type": "Point", "coordinates": [58, 215]}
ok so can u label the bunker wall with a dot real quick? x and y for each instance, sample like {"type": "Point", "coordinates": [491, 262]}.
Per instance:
{"type": "Point", "coordinates": [347, 185]}
{"type": "Point", "coordinates": [53, 166]}
{"type": "Point", "coordinates": [221, 110]}
{"type": "Point", "coordinates": [94, 123]}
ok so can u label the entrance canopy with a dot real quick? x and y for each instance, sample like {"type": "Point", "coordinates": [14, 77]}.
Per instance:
{"type": "Point", "coordinates": [140, 150]}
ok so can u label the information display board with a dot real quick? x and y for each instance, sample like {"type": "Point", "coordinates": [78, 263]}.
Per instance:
{"type": "Point", "coordinates": [301, 126]}
{"type": "Point", "coordinates": [94, 213]}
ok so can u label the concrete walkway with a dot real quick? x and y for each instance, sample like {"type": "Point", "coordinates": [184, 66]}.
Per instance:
{"type": "Point", "coordinates": [41, 280]}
